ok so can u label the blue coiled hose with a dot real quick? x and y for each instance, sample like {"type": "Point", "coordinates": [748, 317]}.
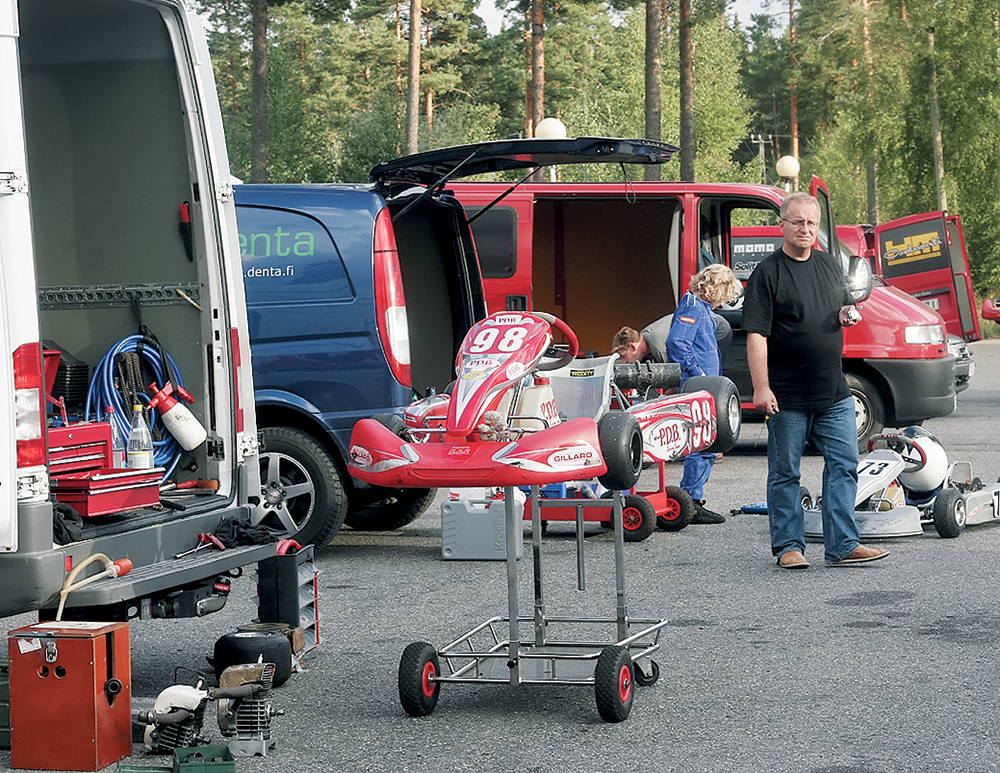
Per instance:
{"type": "Point", "coordinates": [102, 393]}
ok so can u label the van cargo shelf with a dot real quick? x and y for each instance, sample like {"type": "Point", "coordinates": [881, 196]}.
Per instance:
{"type": "Point", "coordinates": [112, 296]}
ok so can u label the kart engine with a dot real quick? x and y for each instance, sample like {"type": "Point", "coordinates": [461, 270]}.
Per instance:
{"type": "Point", "coordinates": [176, 719]}
{"type": "Point", "coordinates": [245, 710]}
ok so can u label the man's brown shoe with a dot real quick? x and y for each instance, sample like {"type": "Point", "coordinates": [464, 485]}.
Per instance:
{"type": "Point", "coordinates": [793, 559]}
{"type": "Point", "coordinates": [863, 555]}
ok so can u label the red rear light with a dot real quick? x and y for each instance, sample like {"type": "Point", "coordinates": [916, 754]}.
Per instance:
{"type": "Point", "coordinates": [234, 336]}
{"type": "Point", "coordinates": [390, 304]}
{"type": "Point", "coordinates": [29, 406]}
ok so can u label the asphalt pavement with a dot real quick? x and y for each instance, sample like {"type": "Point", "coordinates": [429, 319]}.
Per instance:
{"type": "Point", "coordinates": [881, 667]}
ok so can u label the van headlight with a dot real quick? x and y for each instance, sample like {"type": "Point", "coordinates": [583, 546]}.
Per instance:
{"type": "Point", "coordinates": [923, 334]}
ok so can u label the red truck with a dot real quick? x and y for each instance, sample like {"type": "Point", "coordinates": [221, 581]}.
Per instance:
{"type": "Point", "coordinates": [603, 255]}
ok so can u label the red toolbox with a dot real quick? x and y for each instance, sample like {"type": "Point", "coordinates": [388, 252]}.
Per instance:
{"type": "Point", "coordinates": [70, 695]}
{"type": "Point", "coordinates": [78, 447]}
{"type": "Point", "coordinates": [109, 490]}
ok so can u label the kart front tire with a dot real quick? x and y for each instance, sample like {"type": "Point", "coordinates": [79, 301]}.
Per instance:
{"type": "Point", "coordinates": [728, 415]}
{"type": "Point", "coordinates": [949, 513]}
{"type": "Point", "coordinates": [621, 447]}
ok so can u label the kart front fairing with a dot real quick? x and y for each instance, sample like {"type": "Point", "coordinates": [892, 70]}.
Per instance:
{"type": "Point", "coordinates": [676, 425]}
{"type": "Point", "coordinates": [568, 451]}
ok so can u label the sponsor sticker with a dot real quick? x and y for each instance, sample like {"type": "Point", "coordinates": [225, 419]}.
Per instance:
{"type": "Point", "coordinates": [573, 458]}
{"type": "Point", "coordinates": [515, 369]}
{"type": "Point", "coordinates": [361, 457]}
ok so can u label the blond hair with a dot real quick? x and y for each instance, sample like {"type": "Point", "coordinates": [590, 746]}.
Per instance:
{"type": "Point", "coordinates": [716, 284]}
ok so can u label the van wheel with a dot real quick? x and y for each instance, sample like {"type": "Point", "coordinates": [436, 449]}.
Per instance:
{"type": "Point", "coordinates": [869, 409]}
{"type": "Point", "coordinates": [302, 492]}
{"type": "Point", "coordinates": [728, 416]}
{"type": "Point", "coordinates": [393, 512]}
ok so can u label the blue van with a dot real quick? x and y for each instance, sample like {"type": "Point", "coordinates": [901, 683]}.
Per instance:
{"type": "Point", "coordinates": [358, 298]}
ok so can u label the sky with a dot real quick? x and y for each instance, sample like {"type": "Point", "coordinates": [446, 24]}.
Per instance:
{"type": "Point", "coordinates": [742, 8]}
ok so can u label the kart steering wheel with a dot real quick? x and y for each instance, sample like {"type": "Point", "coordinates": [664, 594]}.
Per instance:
{"type": "Point", "coordinates": [553, 358]}
{"type": "Point", "coordinates": [896, 443]}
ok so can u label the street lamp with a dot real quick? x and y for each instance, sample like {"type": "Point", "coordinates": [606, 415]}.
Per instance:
{"type": "Point", "coordinates": [551, 129]}
{"type": "Point", "coordinates": [787, 168]}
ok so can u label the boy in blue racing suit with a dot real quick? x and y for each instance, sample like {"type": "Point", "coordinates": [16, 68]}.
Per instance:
{"type": "Point", "coordinates": [692, 344]}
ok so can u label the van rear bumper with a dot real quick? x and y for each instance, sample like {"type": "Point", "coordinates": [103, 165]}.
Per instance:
{"type": "Point", "coordinates": [919, 389]}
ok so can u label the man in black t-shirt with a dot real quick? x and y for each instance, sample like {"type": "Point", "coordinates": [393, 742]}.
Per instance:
{"type": "Point", "coordinates": [795, 307]}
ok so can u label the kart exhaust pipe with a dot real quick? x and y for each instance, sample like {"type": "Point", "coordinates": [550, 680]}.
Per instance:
{"type": "Point", "coordinates": [647, 375]}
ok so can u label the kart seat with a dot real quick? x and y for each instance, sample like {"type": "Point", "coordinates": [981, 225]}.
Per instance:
{"type": "Point", "coordinates": [583, 388]}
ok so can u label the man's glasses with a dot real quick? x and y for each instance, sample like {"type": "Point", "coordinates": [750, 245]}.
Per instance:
{"type": "Point", "coordinates": [810, 224]}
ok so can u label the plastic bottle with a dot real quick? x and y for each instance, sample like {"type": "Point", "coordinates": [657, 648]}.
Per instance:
{"type": "Point", "coordinates": [140, 443]}
{"type": "Point", "coordinates": [117, 439]}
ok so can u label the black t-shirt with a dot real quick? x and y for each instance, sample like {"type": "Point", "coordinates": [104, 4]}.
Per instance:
{"type": "Point", "coordinates": [795, 305]}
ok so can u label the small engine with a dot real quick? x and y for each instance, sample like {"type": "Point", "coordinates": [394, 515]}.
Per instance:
{"type": "Point", "coordinates": [176, 719]}
{"type": "Point", "coordinates": [246, 717]}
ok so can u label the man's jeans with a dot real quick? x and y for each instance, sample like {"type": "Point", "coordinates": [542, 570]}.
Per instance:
{"type": "Point", "coordinates": [833, 430]}
{"type": "Point", "coordinates": [697, 468]}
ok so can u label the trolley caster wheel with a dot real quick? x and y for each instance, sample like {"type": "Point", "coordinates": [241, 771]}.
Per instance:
{"type": "Point", "coordinates": [642, 678]}
{"type": "Point", "coordinates": [418, 685]}
{"type": "Point", "coordinates": [613, 683]}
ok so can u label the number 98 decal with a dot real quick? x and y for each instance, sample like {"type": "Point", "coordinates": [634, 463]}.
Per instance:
{"type": "Point", "coordinates": [486, 340]}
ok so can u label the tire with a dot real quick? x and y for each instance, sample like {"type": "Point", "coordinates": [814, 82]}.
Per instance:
{"type": "Point", "coordinates": [621, 447]}
{"type": "Point", "coordinates": [638, 518]}
{"type": "Point", "coordinates": [418, 692]}
{"type": "Point", "coordinates": [613, 683]}
{"type": "Point", "coordinates": [401, 507]}
{"type": "Point", "coordinates": [397, 507]}
{"type": "Point", "coordinates": [302, 491]}
{"type": "Point", "coordinates": [642, 678]}
{"type": "Point", "coordinates": [680, 509]}
{"type": "Point", "coordinates": [247, 646]}
{"type": "Point", "coordinates": [949, 513]}
{"type": "Point", "coordinates": [728, 415]}
{"type": "Point", "coordinates": [869, 408]}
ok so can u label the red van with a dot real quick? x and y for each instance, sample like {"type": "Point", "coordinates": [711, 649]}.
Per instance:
{"type": "Point", "coordinates": [603, 255]}
{"type": "Point", "coordinates": [924, 255]}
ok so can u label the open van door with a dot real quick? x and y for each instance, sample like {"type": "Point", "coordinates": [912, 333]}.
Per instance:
{"type": "Point", "coordinates": [8, 425]}
{"type": "Point", "coordinates": [924, 255]}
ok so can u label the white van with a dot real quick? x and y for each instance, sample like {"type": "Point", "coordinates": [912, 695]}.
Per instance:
{"type": "Point", "coordinates": [116, 217]}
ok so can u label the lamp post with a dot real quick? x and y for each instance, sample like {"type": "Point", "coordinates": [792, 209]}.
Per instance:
{"type": "Point", "coordinates": [787, 168]}
{"type": "Point", "coordinates": [551, 129]}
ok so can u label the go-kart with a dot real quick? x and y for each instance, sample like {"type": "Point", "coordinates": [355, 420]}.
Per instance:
{"type": "Point", "coordinates": [909, 484]}
{"type": "Point", "coordinates": [499, 424]}
{"type": "Point", "coordinates": [991, 309]}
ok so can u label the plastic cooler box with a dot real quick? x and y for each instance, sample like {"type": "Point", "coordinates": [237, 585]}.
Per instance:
{"type": "Point", "coordinates": [473, 526]}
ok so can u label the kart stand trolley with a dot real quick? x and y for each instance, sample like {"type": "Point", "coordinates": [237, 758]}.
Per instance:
{"type": "Point", "coordinates": [484, 656]}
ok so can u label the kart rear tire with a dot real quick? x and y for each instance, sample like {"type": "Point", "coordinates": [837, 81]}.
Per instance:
{"type": "Point", "coordinates": [621, 447]}
{"type": "Point", "coordinates": [613, 683]}
{"type": "Point", "coordinates": [418, 692]}
{"type": "Point", "coordinates": [949, 513]}
{"type": "Point", "coordinates": [638, 518]}
{"type": "Point", "coordinates": [728, 415]}
{"type": "Point", "coordinates": [679, 512]}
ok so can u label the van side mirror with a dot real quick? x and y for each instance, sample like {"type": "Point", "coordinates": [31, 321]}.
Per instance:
{"type": "Point", "coordinates": [860, 278]}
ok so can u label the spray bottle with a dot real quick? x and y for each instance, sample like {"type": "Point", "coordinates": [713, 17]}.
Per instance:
{"type": "Point", "coordinates": [177, 419]}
